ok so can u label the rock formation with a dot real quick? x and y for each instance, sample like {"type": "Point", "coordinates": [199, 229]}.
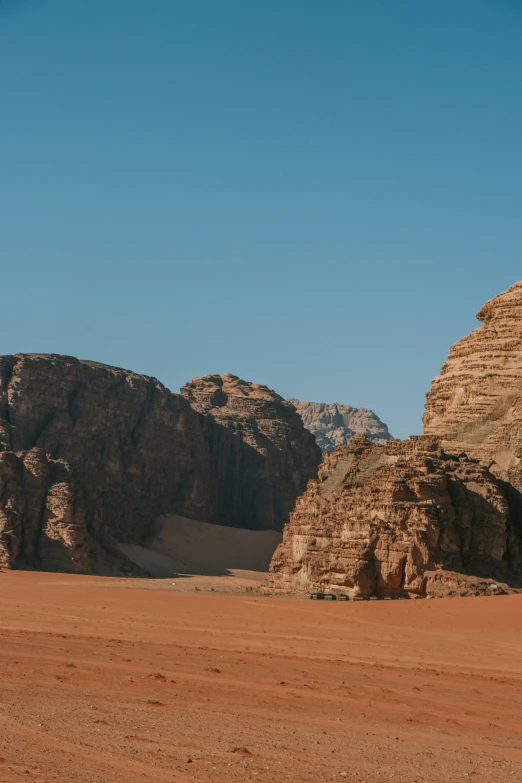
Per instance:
{"type": "Point", "coordinates": [262, 456]}
{"type": "Point", "coordinates": [92, 454]}
{"type": "Point", "coordinates": [42, 514]}
{"type": "Point", "coordinates": [404, 518]}
{"type": "Point", "coordinates": [335, 425]}
{"type": "Point", "coordinates": [135, 447]}
{"type": "Point", "coordinates": [475, 404]}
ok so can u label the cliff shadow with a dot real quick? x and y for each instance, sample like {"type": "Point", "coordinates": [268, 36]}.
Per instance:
{"type": "Point", "coordinates": [181, 546]}
{"type": "Point", "coordinates": [489, 545]}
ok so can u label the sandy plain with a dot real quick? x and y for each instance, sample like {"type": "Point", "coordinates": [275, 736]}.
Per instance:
{"type": "Point", "coordinates": [136, 681]}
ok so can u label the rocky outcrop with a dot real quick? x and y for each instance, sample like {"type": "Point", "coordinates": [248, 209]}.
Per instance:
{"type": "Point", "coordinates": [404, 518]}
{"type": "Point", "coordinates": [475, 404]}
{"type": "Point", "coordinates": [42, 514]}
{"type": "Point", "coordinates": [411, 517]}
{"type": "Point", "coordinates": [262, 456]}
{"type": "Point", "coordinates": [335, 424]}
{"type": "Point", "coordinates": [135, 447]}
{"type": "Point", "coordinates": [44, 521]}
{"type": "Point", "coordinates": [92, 454]}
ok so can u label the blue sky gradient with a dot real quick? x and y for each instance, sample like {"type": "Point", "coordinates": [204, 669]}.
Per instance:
{"type": "Point", "coordinates": [313, 195]}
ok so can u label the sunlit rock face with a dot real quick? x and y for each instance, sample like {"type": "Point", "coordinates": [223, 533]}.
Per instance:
{"type": "Point", "coordinates": [404, 518]}
{"type": "Point", "coordinates": [475, 404]}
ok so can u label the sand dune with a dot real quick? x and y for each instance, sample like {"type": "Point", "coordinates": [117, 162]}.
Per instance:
{"type": "Point", "coordinates": [185, 546]}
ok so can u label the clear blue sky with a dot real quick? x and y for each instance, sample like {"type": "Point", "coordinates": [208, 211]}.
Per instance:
{"type": "Point", "coordinates": [313, 194]}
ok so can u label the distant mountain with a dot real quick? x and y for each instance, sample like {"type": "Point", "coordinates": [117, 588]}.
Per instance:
{"type": "Point", "coordinates": [334, 424]}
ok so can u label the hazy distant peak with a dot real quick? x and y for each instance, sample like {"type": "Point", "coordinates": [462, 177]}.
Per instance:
{"type": "Point", "coordinates": [334, 424]}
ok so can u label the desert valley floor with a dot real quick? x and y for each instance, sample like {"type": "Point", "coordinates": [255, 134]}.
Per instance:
{"type": "Point", "coordinates": [129, 681]}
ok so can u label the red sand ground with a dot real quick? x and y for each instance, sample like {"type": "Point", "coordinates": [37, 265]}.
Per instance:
{"type": "Point", "coordinates": [104, 684]}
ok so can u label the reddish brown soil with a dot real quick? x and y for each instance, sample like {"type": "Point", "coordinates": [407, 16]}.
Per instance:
{"type": "Point", "coordinates": [103, 684]}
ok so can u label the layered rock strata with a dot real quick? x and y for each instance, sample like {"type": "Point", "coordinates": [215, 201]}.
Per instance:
{"type": "Point", "coordinates": [475, 404]}
{"type": "Point", "coordinates": [404, 518]}
{"type": "Point", "coordinates": [262, 455]}
{"type": "Point", "coordinates": [113, 450]}
{"type": "Point", "coordinates": [335, 424]}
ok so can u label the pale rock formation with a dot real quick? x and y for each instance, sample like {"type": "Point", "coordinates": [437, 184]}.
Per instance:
{"type": "Point", "coordinates": [404, 518]}
{"type": "Point", "coordinates": [333, 424]}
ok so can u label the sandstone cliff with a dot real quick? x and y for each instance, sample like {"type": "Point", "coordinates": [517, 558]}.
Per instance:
{"type": "Point", "coordinates": [335, 425]}
{"type": "Point", "coordinates": [475, 405]}
{"type": "Point", "coordinates": [262, 456]}
{"type": "Point", "coordinates": [42, 515]}
{"type": "Point", "coordinates": [136, 448]}
{"type": "Point", "coordinates": [93, 454]}
{"type": "Point", "coordinates": [44, 521]}
{"type": "Point", "coordinates": [403, 518]}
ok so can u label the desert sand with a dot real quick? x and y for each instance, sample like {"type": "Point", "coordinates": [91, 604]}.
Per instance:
{"type": "Point", "coordinates": [186, 546]}
{"type": "Point", "coordinates": [109, 681]}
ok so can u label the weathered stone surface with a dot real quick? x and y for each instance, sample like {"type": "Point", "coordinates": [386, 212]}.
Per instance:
{"type": "Point", "coordinates": [136, 448]}
{"type": "Point", "coordinates": [404, 518]}
{"type": "Point", "coordinates": [42, 515]}
{"type": "Point", "coordinates": [333, 424]}
{"type": "Point", "coordinates": [128, 451]}
{"type": "Point", "coordinates": [262, 455]}
{"type": "Point", "coordinates": [475, 404]}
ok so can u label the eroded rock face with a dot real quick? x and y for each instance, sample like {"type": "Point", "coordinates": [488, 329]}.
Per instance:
{"type": "Point", "coordinates": [401, 518]}
{"type": "Point", "coordinates": [261, 453]}
{"type": "Point", "coordinates": [42, 514]}
{"type": "Point", "coordinates": [475, 404]}
{"type": "Point", "coordinates": [335, 424]}
{"type": "Point", "coordinates": [91, 454]}
{"type": "Point", "coordinates": [135, 447]}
